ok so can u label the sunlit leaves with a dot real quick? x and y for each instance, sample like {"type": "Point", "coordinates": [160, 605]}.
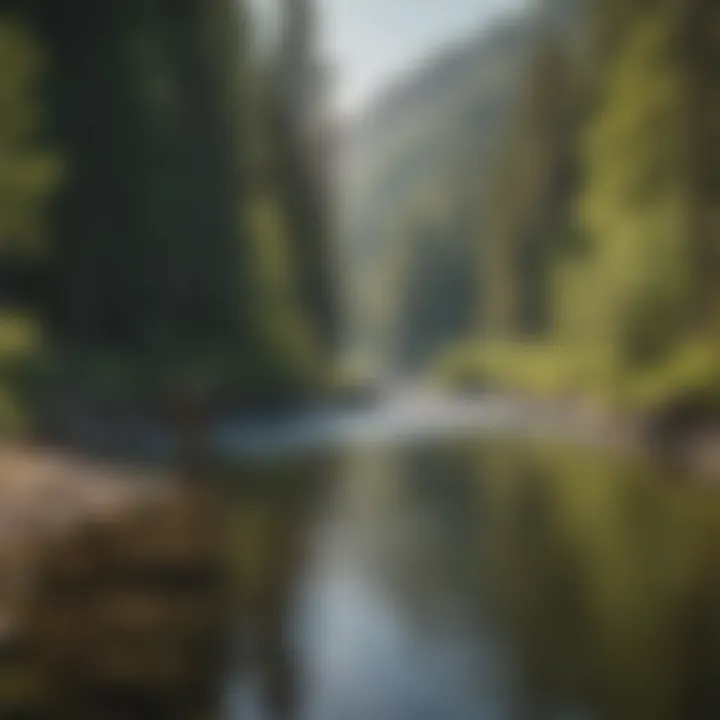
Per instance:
{"type": "Point", "coordinates": [28, 171]}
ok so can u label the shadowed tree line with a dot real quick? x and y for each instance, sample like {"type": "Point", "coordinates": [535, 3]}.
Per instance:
{"type": "Point", "coordinates": [163, 219]}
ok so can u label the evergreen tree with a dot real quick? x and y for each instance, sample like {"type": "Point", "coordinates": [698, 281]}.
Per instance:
{"type": "Point", "coordinates": [302, 169]}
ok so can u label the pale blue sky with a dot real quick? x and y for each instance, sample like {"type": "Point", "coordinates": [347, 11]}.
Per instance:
{"type": "Point", "coordinates": [369, 41]}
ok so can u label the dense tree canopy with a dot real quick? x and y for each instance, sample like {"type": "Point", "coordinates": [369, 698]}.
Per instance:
{"type": "Point", "coordinates": [160, 177]}
{"type": "Point", "coordinates": [592, 178]}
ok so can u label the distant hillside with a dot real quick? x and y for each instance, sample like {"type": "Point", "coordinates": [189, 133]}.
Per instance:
{"type": "Point", "coordinates": [416, 162]}
{"type": "Point", "coordinates": [419, 166]}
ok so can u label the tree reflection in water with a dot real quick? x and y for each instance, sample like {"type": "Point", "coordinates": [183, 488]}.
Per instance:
{"type": "Point", "coordinates": [449, 581]}
{"type": "Point", "coordinates": [495, 581]}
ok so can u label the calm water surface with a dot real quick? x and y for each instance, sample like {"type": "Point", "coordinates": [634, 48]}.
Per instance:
{"type": "Point", "coordinates": [473, 580]}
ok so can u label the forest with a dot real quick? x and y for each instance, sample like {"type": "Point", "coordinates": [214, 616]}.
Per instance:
{"type": "Point", "coordinates": [548, 222]}
{"type": "Point", "coordinates": [533, 208]}
{"type": "Point", "coordinates": [163, 222]}
{"type": "Point", "coordinates": [299, 409]}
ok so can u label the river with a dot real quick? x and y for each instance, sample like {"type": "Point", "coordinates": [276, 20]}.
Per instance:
{"type": "Point", "coordinates": [435, 560]}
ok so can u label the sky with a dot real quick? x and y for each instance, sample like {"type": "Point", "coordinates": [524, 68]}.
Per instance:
{"type": "Point", "coordinates": [369, 41]}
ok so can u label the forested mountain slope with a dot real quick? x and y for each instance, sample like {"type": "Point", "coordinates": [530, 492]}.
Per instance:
{"type": "Point", "coordinates": [600, 258]}
{"type": "Point", "coordinates": [420, 168]}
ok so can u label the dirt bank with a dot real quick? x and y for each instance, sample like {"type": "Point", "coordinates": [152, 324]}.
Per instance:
{"type": "Point", "coordinates": [111, 589]}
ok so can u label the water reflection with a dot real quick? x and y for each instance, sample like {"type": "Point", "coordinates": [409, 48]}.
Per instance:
{"type": "Point", "coordinates": [386, 628]}
{"type": "Point", "coordinates": [453, 581]}
{"type": "Point", "coordinates": [504, 581]}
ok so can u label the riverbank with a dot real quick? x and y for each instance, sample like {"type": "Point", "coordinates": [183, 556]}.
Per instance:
{"type": "Point", "coordinates": [668, 409]}
{"type": "Point", "coordinates": [680, 438]}
{"type": "Point", "coordinates": [681, 435]}
{"type": "Point", "coordinates": [110, 582]}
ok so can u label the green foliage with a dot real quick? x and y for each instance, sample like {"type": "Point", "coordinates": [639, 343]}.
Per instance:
{"type": "Point", "coordinates": [630, 296]}
{"type": "Point", "coordinates": [600, 272]}
{"type": "Point", "coordinates": [283, 331]}
{"type": "Point", "coordinates": [540, 369]}
{"type": "Point", "coordinates": [28, 171]}
{"type": "Point", "coordinates": [29, 175]}
{"type": "Point", "coordinates": [527, 226]}
{"type": "Point", "coordinates": [170, 247]}
{"type": "Point", "coordinates": [633, 205]}
{"type": "Point", "coordinates": [21, 347]}
{"type": "Point", "coordinates": [691, 369]}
